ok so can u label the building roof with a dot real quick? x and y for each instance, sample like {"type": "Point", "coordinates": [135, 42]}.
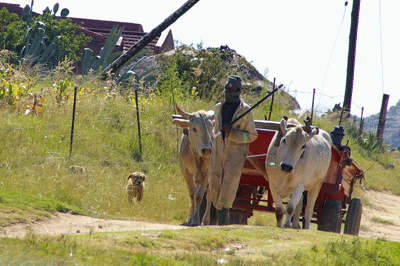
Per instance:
{"type": "Point", "coordinates": [100, 29]}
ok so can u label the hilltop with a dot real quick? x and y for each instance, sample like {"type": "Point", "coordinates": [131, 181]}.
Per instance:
{"type": "Point", "coordinates": [392, 125]}
{"type": "Point", "coordinates": [253, 79]}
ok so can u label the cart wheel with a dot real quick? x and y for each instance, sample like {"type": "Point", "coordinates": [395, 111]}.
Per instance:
{"type": "Point", "coordinates": [332, 214]}
{"type": "Point", "coordinates": [353, 218]}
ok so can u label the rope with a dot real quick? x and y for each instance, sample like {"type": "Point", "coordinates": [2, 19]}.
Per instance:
{"type": "Point", "coordinates": [208, 133]}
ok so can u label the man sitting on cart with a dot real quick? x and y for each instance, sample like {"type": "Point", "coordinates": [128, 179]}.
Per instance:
{"type": "Point", "coordinates": [337, 135]}
{"type": "Point", "coordinates": [230, 148]}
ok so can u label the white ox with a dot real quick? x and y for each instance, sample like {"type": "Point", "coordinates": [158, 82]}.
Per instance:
{"type": "Point", "coordinates": [195, 156]}
{"type": "Point", "coordinates": [297, 162]}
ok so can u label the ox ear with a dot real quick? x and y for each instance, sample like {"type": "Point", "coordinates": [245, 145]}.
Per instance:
{"type": "Point", "coordinates": [182, 123]}
{"type": "Point", "coordinates": [313, 133]}
{"type": "Point", "coordinates": [184, 115]}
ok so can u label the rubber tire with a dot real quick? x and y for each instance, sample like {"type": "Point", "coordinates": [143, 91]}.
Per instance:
{"type": "Point", "coordinates": [353, 217]}
{"type": "Point", "coordinates": [332, 215]}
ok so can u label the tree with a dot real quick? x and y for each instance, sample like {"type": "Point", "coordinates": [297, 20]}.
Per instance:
{"type": "Point", "coordinates": [12, 30]}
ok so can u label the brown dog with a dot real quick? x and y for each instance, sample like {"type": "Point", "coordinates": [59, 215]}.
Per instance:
{"type": "Point", "coordinates": [134, 189]}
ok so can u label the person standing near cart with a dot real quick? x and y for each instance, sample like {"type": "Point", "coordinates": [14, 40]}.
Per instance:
{"type": "Point", "coordinates": [230, 148]}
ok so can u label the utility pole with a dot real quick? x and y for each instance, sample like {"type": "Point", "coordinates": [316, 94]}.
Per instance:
{"type": "Point", "coordinates": [351, 57]}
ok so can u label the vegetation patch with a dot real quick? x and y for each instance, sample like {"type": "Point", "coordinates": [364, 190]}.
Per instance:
{"type": "Point", "coordinates": [382, 221]}
{"type": "Point", "coordinates": [17, 207]}
{"type": "Point", "coordinates": [256, 247]}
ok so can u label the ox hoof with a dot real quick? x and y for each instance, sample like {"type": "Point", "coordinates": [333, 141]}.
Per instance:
{"type": "Point", "coordinates": [194, 225]}
{"type": "Point", "coordinates": [287, 226]}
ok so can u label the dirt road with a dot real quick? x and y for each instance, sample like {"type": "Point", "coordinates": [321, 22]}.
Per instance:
{"type": "Point", "coordinates": [381, 219]}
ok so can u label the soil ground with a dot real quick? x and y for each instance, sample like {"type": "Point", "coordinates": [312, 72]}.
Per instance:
{"type": "Point", "coordinates": [380, 219]}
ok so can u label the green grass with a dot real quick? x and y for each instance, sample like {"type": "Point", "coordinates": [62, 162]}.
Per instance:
{"type": "Point", "coordinates": [382, 221]}
{"type": "Point", "coordinates": [17, 207]}
{"type": "Point", "coordinates": [36, 181]}
{"type": "Point", "coordinates": [236, 245]}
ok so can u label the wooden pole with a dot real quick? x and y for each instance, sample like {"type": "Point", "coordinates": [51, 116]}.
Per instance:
{"type": "Point", "coordinates": [272, 102]}
{"type": "Point", "coordinates": [73, 122]}
{"type": "Point", "coordinates": [382, 117]}
{"type": "Point", "coordinates": [121, 60]}
{"type": "Point", "coordinates": [312, 106]}
{"type": "Point", "coordinates": [351, 57]}
{"type": "Point", "coordinates": [341, 116]}
{"type": "Point", "coordinates": [360, 130]}
{"type": "Point", "coordinates": [138, 121]}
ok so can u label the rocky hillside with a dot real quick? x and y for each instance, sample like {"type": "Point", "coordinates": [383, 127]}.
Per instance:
{"type": "Point", "coordinates": [392, 125]}
{"type": "Point", "coordinates": [253, 78]}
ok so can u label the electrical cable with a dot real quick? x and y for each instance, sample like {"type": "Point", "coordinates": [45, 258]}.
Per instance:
{"type": "Point", "coordinates": [381, 46]}
{"type": "Point", "coordinates": [333, 48]}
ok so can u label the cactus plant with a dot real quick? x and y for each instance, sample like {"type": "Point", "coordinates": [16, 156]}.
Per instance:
{"type": "Point", "coordinates": [56, 7]}
{"type": "Point", "coordinates": [35, 48]}
{"type": "Point", "coordinates": [106, 57]}
{"type": "Point", "coordinates": [27, 14]}
{"type": "Point", "coordinates": [99, 62]}
{"type": "Point", "coordinates": [64, 12]}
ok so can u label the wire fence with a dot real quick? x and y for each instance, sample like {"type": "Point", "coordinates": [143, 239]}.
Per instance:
{"type": "Point", "coordinates": [87, 130]}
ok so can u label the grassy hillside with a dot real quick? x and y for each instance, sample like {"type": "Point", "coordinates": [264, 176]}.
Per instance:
{"type": "Point", "coordinates": [35, 152]}
{"type": "Point", "coordinates": [36, 156]}
{"type": "Point", "coordinates": [40, 173]}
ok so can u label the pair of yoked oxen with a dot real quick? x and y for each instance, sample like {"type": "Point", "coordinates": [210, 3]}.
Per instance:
{"type": "Point", "coordinates": [297, 161]}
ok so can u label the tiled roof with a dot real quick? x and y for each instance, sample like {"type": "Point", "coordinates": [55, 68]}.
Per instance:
{"type": "Point", "coordinates": [129, 37]}
{"type": "Point", "coordinates": [100, 29]}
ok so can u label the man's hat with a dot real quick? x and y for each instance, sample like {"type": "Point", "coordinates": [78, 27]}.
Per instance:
{"type": "Point", "coordinates": [234, 82]}
{"type": "Point", "coordinates": [338, 130]}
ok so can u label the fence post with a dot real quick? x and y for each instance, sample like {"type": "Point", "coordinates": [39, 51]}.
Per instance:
{"type": "Point", "coordinates": [341, 116]}
{"type": "Point", "coordinates": [73, 122]}
{"type": "Point", "coordinates": [138, 121]}
{"type": "Point", "coordinates": [272, 102]}
{"type": "Point", "coordinates": [360, 130]}
{"type": "Point", "coordinates": [312, 107]}
{"type": "Point", "coordinates": [382, 117]}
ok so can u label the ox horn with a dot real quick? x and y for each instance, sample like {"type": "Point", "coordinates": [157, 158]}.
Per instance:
{"type": "Point", "coordinates": [182, 113]}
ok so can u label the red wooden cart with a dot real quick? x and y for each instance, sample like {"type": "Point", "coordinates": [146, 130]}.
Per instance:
{"type": "Point", "coordinates": [334, 199]}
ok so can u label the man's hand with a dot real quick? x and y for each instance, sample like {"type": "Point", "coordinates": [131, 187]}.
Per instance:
{"type": "Point", "coordinates": [226, 129]}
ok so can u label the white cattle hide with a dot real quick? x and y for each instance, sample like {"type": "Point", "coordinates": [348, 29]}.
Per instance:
{"type": "Point", "coordinates": [297, 162]}
{"type": "Point", "coordinates": [195, 156]}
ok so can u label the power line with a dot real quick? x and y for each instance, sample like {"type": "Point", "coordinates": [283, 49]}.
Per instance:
{"type": "Point", "coordinates": [333, 48]}
{"type": "Point", "coordinates": [381, 46]}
